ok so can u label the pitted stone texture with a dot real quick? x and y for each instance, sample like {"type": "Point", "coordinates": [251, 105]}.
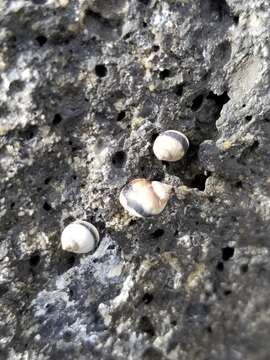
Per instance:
{"type": "Point", "coordinates": [86, 87]}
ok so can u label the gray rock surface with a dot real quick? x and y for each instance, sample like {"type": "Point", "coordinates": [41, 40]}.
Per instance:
{"type": "Point", "coordinates": [85, 88]}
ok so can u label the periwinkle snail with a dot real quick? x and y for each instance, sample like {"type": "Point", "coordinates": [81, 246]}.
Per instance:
{"type": "Point", "coordinates": [79, 237]}
{"type": "Point", "coordinates": [170, 145]}
{"type": "Point", "coordinates": [143, 198]}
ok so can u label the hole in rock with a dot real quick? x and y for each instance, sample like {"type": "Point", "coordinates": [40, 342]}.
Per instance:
{"type": "Point", "coordinates": [157, 233]}
{"type": "Point", "coordinates": [155, 48]}
{"type": "Point", "coordinates": [30, 132]}
{"type": "Point", "coordinates": [248, 118]}
{"type": "Point", "coordinates": [47, 180]}
{"type": "Point", "coordinates": [71, 293]}
{"type": "Point", "coordinates": [47, 206]}
{"type": "Point", "coordinates": [12, 204]}
{"type": "Point", "coordinates": [220, 100]}
{"type": "Point", "coordinates": [121, 116]}
{"type": "Point", "coordinates": [178, 90]}
{"type": "Point", "coordinates": [145, 2]}
{"type": "Point", "coordinates": [101, 225]}
{"type": "Point", "coordinates": [220, 266]}
{"type": "Point", "coordinates": [227, 292]}
{"type": "Point", "coordinates": [198, 182]}
{"type": "Point", "coordinates": [227, 253]}
{"type": "Point", "coordinates": [147, 298]}
{"type": "Point", "coordinates": [127, 36]}
{"type": "Point", "coordinates": [3, 289]}
{"type": "Point", "coordinates": [146, 326]}
{"type": "Point", "coordinates": [244, 268]}
{"type": "Point", "coordinates": [236, 19]}
{"type": "Point", "coordinates": [220, 7]}
{"type": "Point", "coordinates": [209, 329]}
{"type": "Point", "coordinates": [238, 184]}
{"type": "Point", "coordinates": [119, 158]}
{"type": "Point", "coordinates": [50, 308]}
{"type": "Point", "coordinates": [34, 259]}
{"type": "Point", "coordinates": [57, 119]}
{"type": "Point", "coordinates": [71, 260]}
{"type": "Point", "coordinates": [197, 103]}
{"type": "Point", "coordinates": [41, 39]}
{"type": "Point", "coordinates": [254, 146]}
{"type": "Point", "coordinates": [67, 336]}
{"type": "Point", "coordinates": [101, 70]}
{"type": "Point", "coordinates": [163, 74]}
{"type": "Point", "coordinates": [153, 137]}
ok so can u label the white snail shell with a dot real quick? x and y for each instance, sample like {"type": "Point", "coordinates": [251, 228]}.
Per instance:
{"type": "Point", "coordinates": [79, 237]}
{"type": "Point", "coordinates": [143, 198]}
{"type": "Point", "coordinates": [171, 145]}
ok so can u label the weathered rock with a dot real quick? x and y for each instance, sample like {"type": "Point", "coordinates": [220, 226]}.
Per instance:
{"type": "Point", "coordinates": [86, 86]}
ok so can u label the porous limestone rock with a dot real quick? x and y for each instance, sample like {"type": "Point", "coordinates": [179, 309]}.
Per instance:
{"type": "Point", "coordinates": [86, 87]}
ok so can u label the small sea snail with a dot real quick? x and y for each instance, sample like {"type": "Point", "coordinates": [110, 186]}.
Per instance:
{"type": "Point", "coordinates": [142, 198]}
{"type": "Point", "coordinates": [171, 145]}
{"type": "Point", "coordinates": [79, 237]}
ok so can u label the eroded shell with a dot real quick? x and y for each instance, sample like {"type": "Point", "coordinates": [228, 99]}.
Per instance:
{"type": "Point", "coordinates": [143, 198]}
{"type": "Point", "coordinates": [171, 145]}
{"type": "Point", "coordinates": [79, 237]}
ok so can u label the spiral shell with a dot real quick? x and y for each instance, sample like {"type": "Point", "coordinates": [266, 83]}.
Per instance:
{"type": "Point", "coordinates": [79, 237]}
{"type": "Point", "coordinates": [143, 198]}
{"type": "Point", "coordinates": [171, 145]}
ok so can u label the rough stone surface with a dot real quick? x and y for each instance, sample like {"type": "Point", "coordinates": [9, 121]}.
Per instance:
{"type": "Point", "coordinates": [86, 86]}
